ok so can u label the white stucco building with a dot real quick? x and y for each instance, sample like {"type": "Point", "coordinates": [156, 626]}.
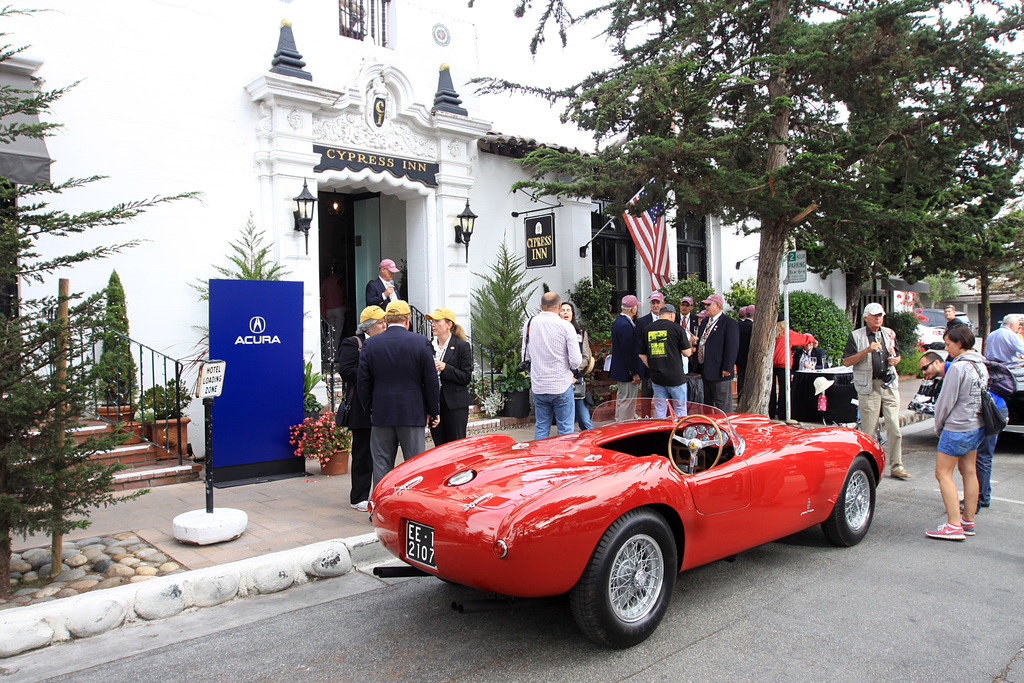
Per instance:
{"type": "Point", "coordinates": [212, 97]}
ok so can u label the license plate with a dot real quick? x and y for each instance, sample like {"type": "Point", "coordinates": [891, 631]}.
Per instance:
{"type": "Point", "coordinates": [419, 544]}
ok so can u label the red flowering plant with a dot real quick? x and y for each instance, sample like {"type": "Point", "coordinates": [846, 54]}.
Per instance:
{"type": "Point", "coordinates": [317, 438]}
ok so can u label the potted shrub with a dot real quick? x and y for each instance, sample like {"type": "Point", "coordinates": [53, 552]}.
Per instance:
{"type": "Point", "coordinates": [310, 406]}
{"type": "Point", "coordinates": [320, 438]}
{"type": "Point", "coordinates": [116, 367]}
{"type": "Point", "coordinates": [163, 413]}
{"type": "Point", "coordinates": [515, 387]}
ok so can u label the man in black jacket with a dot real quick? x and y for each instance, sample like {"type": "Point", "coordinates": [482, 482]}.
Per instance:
{"type": "Point", "coordinates": [398, 386]}
{"type": "Point", "coordinates": [716, 352]}
{"type": "Point", "coordinates": [381, 290]}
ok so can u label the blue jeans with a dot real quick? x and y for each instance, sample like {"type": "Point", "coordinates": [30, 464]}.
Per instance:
{"type": "Point", "coordinates": [583, 415]}
{"type": "Point", "coordinates": [560, 405]}
{"type": "Point", "coordinates": [676, 394]}
{"type": "Point", "coordinates": [984, 466]}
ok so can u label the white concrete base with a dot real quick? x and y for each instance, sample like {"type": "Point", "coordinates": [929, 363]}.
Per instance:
{"type": "Point", "coordinates": [201, 528]}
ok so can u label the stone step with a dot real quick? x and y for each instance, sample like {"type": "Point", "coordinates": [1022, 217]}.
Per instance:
{"type": "Point", "coordinates": [149, 477]}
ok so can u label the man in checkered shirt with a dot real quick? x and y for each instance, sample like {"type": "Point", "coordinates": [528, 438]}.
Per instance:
{"type": "Point", "coordinates": [551, 346]}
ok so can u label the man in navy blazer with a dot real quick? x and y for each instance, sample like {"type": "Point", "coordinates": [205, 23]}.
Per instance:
{"type": "Point", "coordinates": [398, 386]}
{"type": "Point", "coordinates": [381, 290]}
{"type": "Point", "coordinates": [626, 368]}
{"type": "Point", "coordinates": [718, 346]}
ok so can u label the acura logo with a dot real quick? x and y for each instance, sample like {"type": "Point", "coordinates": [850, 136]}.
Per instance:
{"type": "Point", "coordinates": [258, 325]}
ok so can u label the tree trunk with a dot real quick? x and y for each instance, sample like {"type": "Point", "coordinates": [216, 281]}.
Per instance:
{"type": "Point", "coordinates": [762, 339]}
{"type": "Point", "coordinates": [774, 231]}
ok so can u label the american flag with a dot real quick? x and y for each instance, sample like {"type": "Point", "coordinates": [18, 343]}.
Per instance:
{"type": "Point", "coordinates": [649, 235]}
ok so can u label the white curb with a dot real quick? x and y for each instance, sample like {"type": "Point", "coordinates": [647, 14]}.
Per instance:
{"type": "Point", "coordinates": [34, 626]}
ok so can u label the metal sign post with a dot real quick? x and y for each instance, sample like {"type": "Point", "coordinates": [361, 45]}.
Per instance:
{"type": "Point", "coordinates": [211, 382]}
{"type": "Point", "coordinates": [203, 527]}
{"type": "Point", "coordinates": [796, 271]}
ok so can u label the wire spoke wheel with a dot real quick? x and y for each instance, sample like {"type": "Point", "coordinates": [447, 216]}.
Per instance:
{"type": "Point", "coordinates": [638, 572]}
{"type": "Point", "coordinates": [858, 500]}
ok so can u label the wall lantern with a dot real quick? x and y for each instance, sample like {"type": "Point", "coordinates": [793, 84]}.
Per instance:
{"type": "Point", "coordinates": [464, 228]}
{"type": "Point", "coordinates": [304, 212]}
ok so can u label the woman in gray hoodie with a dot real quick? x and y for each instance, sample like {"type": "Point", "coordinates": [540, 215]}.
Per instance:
{"type": "Point", "coordinates": [960, 428]}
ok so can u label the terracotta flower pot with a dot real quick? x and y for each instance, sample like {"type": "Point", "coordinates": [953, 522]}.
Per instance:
{"type": "Point", "coordinates": [132, 433]}
{"type": "Point", "coordinates": [164, 433]}
{"type": "Point", "coordinates": [115, 413]}
{"type": "Point", "coordinates": [338, 464]}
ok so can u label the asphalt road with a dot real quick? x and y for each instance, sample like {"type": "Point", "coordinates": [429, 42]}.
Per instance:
{"type": "Point", "coordinates": [897, 607]}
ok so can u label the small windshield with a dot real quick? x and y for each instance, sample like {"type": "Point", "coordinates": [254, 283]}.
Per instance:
{"type": "Point", "coordinates": [611, 412]}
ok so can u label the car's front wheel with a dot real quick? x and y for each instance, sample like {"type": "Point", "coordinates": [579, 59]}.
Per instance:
{"type": "Point", "coordinates": [855, 506]}
{"type": "Point", "coordinates": [626, 587]}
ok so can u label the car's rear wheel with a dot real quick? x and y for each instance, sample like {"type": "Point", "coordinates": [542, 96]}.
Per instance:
{"type": "Point", "coordinates": [626, 587]}
{"type": "Point", "coordinates": [855, 506]}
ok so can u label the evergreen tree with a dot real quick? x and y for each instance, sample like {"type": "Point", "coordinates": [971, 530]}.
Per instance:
{"type": "Point", "coordinates": [47, 480]}
{"type": "Point", "coordinates": [499, 307]}
{"type": "Point", "coordinates": [767, 112]}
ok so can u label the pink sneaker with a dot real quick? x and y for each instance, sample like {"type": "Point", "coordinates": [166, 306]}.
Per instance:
{"type": "Point", "coordinates": [967, 526]}
{"type": "Point", "coordinates": [948, 532]}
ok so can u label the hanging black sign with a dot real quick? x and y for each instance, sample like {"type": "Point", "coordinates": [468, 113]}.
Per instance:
{"type": "Point", "coordinates": [338, 158]}
{"type": "Point", "coordinates": [540, 241]}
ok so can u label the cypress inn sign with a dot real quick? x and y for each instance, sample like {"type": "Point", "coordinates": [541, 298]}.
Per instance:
{"type": "Point", "coordinates": [338, 159]}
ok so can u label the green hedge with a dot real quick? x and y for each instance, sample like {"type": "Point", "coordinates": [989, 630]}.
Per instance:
{"type": "Point", "coordinates": [815, 314]}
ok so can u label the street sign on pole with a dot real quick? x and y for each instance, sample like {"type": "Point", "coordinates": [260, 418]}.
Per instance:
{"type": "Point", "coordinates": [796, 266]}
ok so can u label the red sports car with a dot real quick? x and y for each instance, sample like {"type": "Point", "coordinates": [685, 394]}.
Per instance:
{"type": "Point", "coordinates": [611, 515]}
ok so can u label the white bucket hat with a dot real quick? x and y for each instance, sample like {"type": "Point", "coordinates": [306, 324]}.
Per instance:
{"type": "Point", "coordinates": [821, 385]}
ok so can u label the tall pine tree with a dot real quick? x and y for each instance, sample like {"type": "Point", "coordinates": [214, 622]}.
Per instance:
{"type": "Point", "coordinates": [47, 480]}
{"type": "Point", "coordinates": [768, 112]}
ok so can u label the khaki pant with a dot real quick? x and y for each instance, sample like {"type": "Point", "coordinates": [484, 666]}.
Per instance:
{"type": "Point", "coordinates": [886, 402]}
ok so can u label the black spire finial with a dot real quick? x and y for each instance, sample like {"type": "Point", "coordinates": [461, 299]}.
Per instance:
{"type": "Point", "coordinates": [287, 60]}
{"type": "Point", "coordinates": [446, 99]}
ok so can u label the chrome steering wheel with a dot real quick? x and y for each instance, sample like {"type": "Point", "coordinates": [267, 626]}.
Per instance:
{"type": "Point", "coordinates": [684, 443]}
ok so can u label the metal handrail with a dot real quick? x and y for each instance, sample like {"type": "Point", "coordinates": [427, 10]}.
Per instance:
{"type": "Point", "coordinates": [161, 382]}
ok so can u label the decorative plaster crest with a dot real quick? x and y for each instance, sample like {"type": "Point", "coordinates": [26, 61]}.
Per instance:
{"type": "Point", "coordinates": [351, 130]}
{"type": "Point", "coordinates": [295, 119]}
{"type": "Point", "coordinates": [379, 105]}
{"type": "Point", "coordinates": [454, 149]}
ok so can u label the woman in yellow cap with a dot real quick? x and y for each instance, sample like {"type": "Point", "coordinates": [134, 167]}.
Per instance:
{"type": "Point", "coordinates": [453, 358]}
{"type": "Point", "coordinates": [371, 322]}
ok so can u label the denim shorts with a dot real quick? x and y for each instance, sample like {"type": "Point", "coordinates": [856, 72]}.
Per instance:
{"type": "Point", "coordinates": [960, 443]}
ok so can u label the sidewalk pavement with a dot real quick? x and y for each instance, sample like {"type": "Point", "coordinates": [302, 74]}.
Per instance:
{"type": "Point", "coordinates": [283, 514]}
{"type": "Point", "coordinates": [298, 529]}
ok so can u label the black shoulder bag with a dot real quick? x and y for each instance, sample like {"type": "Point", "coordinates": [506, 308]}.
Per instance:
{"type": "Point", "coordinates": [993, 418]}
{"type": "Point", "coordinates": [344, 414]}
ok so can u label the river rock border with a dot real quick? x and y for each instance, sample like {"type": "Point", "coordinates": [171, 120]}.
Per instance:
{"type": "Point", "coordinates": [35, 626]}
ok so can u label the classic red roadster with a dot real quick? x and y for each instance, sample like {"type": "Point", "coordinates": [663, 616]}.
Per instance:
{"type": "Point", "coordinates": [611, 515]}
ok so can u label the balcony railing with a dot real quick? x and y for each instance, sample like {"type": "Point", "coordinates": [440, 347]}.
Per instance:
{"type": "Point", "coordinates": [365, 20]}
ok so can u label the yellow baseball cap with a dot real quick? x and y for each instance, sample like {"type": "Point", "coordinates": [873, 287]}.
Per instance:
{"type": "Point", "coordinates": [371, 313]}
{"type": "Point", "coordinates": [398, 308]}
{"type": "Point", "coordinates": [441, 314]}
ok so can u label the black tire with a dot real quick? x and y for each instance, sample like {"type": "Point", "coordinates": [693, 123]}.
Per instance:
{"type": "Point", "coordinates": [855, 507]}
{"type": "Point", "coordinates": [638, 536]}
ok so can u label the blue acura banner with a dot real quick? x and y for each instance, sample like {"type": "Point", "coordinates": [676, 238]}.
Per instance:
{"type": "Point", "coordinates": [256, 327]}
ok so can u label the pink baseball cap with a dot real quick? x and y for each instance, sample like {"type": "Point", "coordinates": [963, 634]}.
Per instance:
{"type": "Point", "coordinates": [687, 300]}
{"type": "Point", "coordinates": [715, 299]}
{"type": "Point", "coordinates": [389, 264]}
{"type": "Point", "coordinates": [630, 301]}
{"type": "Point", "coordinates": [657, 296]}
{"type": "Point", "coordinates": [702, 314]}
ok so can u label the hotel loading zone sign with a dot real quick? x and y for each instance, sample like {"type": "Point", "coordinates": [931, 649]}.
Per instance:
{"type": "Point", "coordinates": [540, 241]}
{"type": "Point", "coordinates": [338, 158]}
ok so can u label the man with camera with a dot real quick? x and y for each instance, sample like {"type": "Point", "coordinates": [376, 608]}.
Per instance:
{"type": "Point", "coordinates": [871, 351]}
